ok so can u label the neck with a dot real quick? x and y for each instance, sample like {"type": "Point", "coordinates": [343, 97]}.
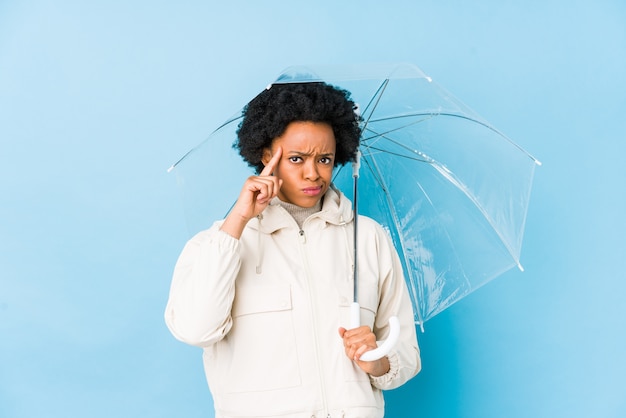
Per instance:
{"type": "Point", "coordinates": [299, 213]}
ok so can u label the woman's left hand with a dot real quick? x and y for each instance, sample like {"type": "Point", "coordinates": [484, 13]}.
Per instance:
{"type": "Point", "coordinates": [359, 340]}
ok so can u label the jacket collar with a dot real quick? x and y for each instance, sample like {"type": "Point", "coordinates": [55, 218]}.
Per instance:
{"type": "Point", "coordinates": [336, 210]}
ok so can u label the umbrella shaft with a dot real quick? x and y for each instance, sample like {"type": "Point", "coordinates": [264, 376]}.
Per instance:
{"type": "Point", "coordinates": [355, 292]}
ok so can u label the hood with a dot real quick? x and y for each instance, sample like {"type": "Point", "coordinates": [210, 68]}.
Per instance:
{"type": "Point", "coordinates": [336, 210]}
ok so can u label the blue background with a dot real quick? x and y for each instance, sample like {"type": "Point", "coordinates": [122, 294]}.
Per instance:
{"type": "Point", "coordinates": [98, 98]}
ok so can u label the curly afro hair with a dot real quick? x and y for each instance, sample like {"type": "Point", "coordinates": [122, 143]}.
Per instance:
{"type": "Point", "coordinates": [267, 115]}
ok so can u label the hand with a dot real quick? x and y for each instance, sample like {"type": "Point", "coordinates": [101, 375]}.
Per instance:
{"type": "Point", "coordinates": [256, 194]}
{"type": "Point", "coordinates": [359, 340]}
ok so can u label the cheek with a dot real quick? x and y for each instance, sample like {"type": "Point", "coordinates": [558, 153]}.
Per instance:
{"type": "Point", "coordinates": [327, 172]}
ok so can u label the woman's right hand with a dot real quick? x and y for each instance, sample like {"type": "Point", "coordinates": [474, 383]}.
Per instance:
{"type": "Point", "coordinates": [256, 194]}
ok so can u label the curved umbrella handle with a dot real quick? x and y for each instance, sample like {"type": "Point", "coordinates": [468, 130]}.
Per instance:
{"type": "Point", "coordinates": [387, 345]}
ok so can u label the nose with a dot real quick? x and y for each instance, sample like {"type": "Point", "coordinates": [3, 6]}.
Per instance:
{"type": "Point", "coordinates": [310, 170]}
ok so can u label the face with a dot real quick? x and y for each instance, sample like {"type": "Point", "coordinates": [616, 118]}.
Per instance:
{"type": "Point", "coordinates": [306, 164]}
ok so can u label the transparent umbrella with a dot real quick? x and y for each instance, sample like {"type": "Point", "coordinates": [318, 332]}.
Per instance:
{"type": "Point", "coordinates": [451, 190]}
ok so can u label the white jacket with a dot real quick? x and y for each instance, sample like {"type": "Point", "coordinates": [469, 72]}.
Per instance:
{"type": "Point", "coordinates": [266, 309]}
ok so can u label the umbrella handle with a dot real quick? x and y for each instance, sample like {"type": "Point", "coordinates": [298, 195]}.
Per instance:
{"type": "Point", "coordinates": [387, 345]}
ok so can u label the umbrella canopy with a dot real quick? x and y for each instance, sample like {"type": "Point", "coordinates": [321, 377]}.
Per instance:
{"type": "Point", "coordinates": [451, 190]}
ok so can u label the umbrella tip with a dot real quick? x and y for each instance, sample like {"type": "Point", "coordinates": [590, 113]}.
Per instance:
{"type": "Point", "coordinates": [421, 324]}
{"type": "Point", "coordinates": [520, 267]}
{"type": "Point", "coordinates": [169, 170]}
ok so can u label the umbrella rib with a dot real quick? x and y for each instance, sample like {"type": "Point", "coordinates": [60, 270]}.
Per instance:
{"type": "Point", "coordinates": [373, 167]}
{"type": "Point", "coordinates": [428, 115]}
{"type": "Point", "coordinates": [408, 157]}
{"type": "Point", "coordinates": [423, 156]}
{"type": "Point", "coordinates": [376, 135]}
{"type": "Point", "coordinates": [432, 115]}
{"type": "Point", "coordinates": [461, 266]}
{"type": "Point", "coordinates": [201, 144]}
{"type": "Point", "coordinates": [374, 101]}
{"type": "Point", "coordinates": [443, 170]}
{"type": "Point", "coordinates": [449, 175]}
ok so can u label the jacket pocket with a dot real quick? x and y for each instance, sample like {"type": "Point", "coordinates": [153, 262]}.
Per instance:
{"type": "Point", "coordinates": [259, 353]}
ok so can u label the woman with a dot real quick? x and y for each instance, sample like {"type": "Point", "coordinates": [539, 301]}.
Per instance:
{"type": "Point", "coordinates": [267, 291]}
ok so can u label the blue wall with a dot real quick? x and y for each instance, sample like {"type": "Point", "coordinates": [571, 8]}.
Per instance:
{"type": "Point", "coordinates": [98, 98]}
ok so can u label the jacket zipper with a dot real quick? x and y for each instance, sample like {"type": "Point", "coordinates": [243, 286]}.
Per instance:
{"type": "Point", "coordinates": [305, 261]}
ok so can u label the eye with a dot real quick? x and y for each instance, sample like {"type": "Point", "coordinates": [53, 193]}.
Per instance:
{"type": "Point", "coordinates": [326, 160]}
{"type": "Point", "coordinates": [295, 159]}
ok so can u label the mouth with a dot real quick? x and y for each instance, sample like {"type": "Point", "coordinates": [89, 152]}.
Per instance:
{"type": "Point", "coordinates": [312, 191]}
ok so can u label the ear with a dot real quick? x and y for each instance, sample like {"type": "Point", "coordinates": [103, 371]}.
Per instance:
{"type": "Point", "coordinates": [267, 156]}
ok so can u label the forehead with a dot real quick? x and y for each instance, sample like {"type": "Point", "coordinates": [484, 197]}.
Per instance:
{"type": "Point", "coordinates": [307, 137]}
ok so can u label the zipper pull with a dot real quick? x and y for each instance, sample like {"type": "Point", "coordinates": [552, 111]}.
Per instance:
{"type": "Point", "coordinates": [302, 237]}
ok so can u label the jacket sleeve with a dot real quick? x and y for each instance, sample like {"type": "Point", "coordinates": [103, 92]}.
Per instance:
{"type": "Point", "coordinates": [404, 358]}
{"type": "Point", "coordinates": [203, 288]}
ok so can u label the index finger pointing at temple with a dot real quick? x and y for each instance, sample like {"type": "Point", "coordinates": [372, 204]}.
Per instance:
{"type": "Point", "coordinates": [269, 168]}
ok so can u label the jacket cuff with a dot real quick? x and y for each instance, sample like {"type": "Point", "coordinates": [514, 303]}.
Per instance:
{"type": "Point", "coordinates": [225, 239]}
{"type": "Point", "coordinates": [382, 382]}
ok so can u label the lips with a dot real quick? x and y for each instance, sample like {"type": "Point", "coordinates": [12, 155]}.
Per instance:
{"type": "Point", "coordinates": [312, 191]}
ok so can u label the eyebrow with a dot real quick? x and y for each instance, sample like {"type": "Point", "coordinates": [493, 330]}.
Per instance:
{"type": "Point", "coordinates": [308, 154]}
